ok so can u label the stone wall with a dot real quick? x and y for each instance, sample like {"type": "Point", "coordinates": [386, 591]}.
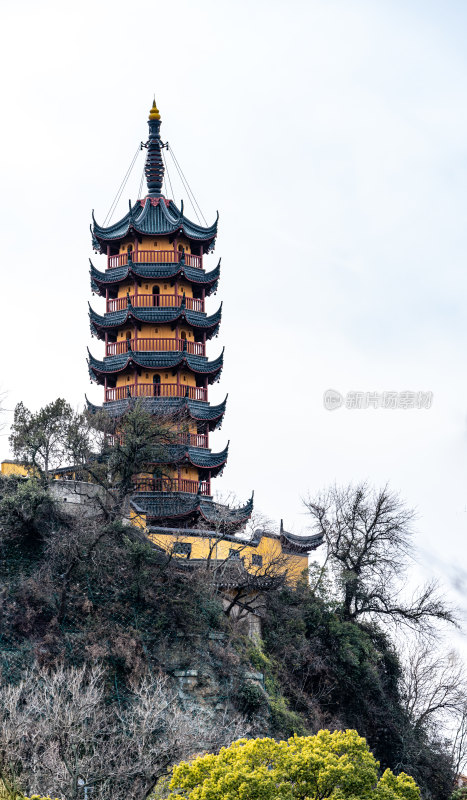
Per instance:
{"type": "Point", "coordinates": [79, 498]}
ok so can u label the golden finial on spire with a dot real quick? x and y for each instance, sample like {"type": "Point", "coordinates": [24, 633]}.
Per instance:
{"type": "Point", "coordinates": [154, 112]}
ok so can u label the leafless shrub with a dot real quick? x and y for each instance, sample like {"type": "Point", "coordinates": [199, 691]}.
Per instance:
{"type": "Point", "coordinates": [56, 727]}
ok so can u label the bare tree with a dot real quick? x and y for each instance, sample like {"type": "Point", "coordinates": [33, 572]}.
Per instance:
{"type": "Point", "coordinates": [368, 537]}
{"type": "Point", "coordinates": [459, 742]}
{"type": "Point", "coordinates": [433, 692]}
{"type": "Point", "coordinates": [433, 684]}
{"type": "Point", "coordinates": [57, 730]}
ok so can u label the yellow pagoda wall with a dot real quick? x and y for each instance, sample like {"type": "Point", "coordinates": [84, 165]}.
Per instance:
{"type": "Point", "coordinates": [150, 243]}
{"type": "Point", "coordinates": [186, 378]}
{"type": "Point", "coordinates": [165, 288]}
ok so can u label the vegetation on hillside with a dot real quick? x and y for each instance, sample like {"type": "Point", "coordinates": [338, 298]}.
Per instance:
{"type": "Point", "coordinates": [92, 611]}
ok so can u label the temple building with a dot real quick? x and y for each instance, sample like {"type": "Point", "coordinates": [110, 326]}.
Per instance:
{"type": "Point", "coordinates": [156, 328]}
{"type": "Point", "coordinates": [155, 331]}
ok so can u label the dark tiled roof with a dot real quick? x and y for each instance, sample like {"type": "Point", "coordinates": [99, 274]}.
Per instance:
{"type": "Point", "coordinates": [216, 513]}
{"type": "Point", "coordinates": [194, 409]}
{"type": "Point", "coordinates": [115, 364]}
{"type": "Point", "coordinates": [197, 456]}
{"type": "Point", "coordinates": [154, 316]}
{"type": "Point", "coordinates": [116, 275]}
{"type": "Point", "coordinates": [170, 506]}
{"type": "Point", "coordinates": [293, 543]}
{"type": "Point", "coordinates": [153, 217]}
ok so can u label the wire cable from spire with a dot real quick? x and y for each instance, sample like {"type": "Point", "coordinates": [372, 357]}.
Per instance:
{"type": "Point", "coordinates": [187, 186]}
{"type": "Point", "coordinates": [167, 170]}
{"type": "Point", "coordinates": [121, 188]}
{"type": "Point", "coordinates": [141, 184]}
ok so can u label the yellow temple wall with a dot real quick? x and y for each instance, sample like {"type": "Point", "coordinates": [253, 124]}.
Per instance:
{"type": "Point", "coordinates": [13, 468]}
{"type": "Point", "coordinates": [269, 548]}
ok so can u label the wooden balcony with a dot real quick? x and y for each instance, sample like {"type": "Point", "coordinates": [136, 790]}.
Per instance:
{"type": "Point", "coordinates": [156, 390]}
{"type": "Point", "coordinates": [148, 345]}
{"type": "Point", "coordinates": [155, 301]}
{"type": "Point", "coordinates": [154, 257]}
{"type": "Point", "coordinates": [190, 439]}
{"type": "Point", "coordinates": [193, 439]}
{"type": "Point", "coordinates": [172, 485]}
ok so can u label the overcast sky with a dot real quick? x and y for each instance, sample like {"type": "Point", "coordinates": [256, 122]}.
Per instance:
{"type": "Point", "coordinates": [332, 137]}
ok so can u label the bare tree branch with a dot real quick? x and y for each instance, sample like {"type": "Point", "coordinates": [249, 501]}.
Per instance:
{"type": "Point", "coordinates": [368, 534]}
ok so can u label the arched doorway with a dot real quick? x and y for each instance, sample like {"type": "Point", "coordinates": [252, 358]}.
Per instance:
{"type": "Point", "coordinates": [155, 295]}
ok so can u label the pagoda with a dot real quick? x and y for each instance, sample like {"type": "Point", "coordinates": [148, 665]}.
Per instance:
{"type": "Point", "coordinates": [155, 330]}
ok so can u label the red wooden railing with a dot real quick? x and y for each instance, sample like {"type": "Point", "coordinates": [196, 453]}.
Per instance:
{"type": "Point", "coordinates": [156, 301]}
{"type": "Point", "coordinates": [171, 485]}
{"type": "Point", "coordinates": [155, 345]}
{"type": "Point", "coordinates": [191, 439]}
{"type": "Point", "coordinates": [156, 390]}
{"type": "Point", "coordinates": [154, 257]}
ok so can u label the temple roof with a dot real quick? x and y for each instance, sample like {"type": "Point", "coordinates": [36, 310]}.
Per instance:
{"type": "Point", "coordinates": [173, 506]}
{"type": "Point", "coordinates": [116, 275]}
{"type": "Point", "coordinates": [154, 316]}
{"type": "Point", "coordinates": [295, 543]}
{"type": "Point", "coordinates": [112, 365]}
{"type": "Point", "coordinates": [196, 456]}
{"type": "Point", "coordinates": [195, 409]}
{"type": "Point", "coordinates": [153, 216]}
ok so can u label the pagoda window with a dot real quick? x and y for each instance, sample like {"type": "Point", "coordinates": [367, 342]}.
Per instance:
{"type": "Point", "coordinates": [130, 248]}
{"type": "Point", "coordinates": [257, 561]}
{"type": "Point", "coordinates": [183, 335]}
{"type": "Point", "coordinates": [181, 249]}
{"type": "Point", "coordinates": [234, 553]}
{"type": "Point", "coordinates": [156, 382]}
{"type": "Point", "coordinates": [155, 292]}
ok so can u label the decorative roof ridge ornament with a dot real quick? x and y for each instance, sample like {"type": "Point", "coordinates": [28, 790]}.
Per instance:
{"type": "Point", "coordinates": [154, 112]}
{"type": "Point", "coordinates": [154, 167]}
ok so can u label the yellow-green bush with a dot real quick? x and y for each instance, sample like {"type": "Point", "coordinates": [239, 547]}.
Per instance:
{"type": "Point", "coordinates": [39, 797]}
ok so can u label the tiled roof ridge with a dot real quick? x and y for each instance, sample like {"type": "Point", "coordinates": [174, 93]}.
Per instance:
{"type": "Point", "coordinates": [141, 271]}
{"type": "Point", "coordinates": [166, 361]}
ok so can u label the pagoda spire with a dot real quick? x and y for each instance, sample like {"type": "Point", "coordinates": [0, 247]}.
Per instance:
{"type": "Point", "coordinates": [154, 167]}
